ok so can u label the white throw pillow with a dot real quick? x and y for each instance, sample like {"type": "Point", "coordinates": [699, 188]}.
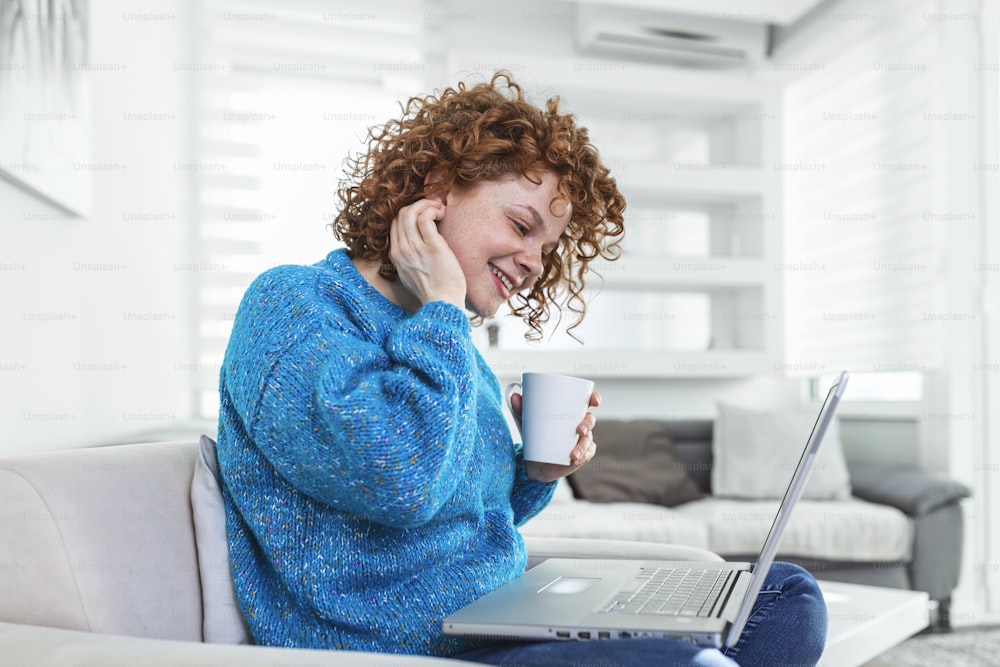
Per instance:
{"type": "Point", "coordinates": [755, 453]}
{"type": "Point", "coordinates": [223, 621]}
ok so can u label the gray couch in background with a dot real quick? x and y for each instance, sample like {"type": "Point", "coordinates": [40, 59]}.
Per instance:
{"type": "Point", "coordinates": [916, 513]}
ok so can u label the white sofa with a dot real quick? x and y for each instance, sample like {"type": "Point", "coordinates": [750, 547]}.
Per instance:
{"type": "Point", "coordinates": [847, 530]}
{"type": "Point", "coordinates": [100, 564]}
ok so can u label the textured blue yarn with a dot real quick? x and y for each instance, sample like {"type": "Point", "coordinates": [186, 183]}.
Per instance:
{"type": "Point", "coordinates": [370, 481]}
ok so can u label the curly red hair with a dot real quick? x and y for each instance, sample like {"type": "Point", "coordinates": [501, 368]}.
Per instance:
{"type": "Point", "coordinates": [471, 134]}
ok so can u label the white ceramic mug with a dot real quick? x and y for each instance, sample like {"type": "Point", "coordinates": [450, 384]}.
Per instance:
{"type": "Point", "coordinates": [552, 407]}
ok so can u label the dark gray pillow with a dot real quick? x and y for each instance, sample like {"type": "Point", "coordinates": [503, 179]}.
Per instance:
{"type": "Point", "coordinates": [635, 462]}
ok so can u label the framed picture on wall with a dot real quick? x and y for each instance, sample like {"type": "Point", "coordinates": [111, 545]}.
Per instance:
{"type": "Point", "coordinates": [45, 106]}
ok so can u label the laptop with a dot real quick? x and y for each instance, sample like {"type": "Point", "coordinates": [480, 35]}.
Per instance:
{"type": "Point", "coordinates": [706, 603]}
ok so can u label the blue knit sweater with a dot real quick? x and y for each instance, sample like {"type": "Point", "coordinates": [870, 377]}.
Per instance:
{"type": "Point", "coordinates": [370, 481]}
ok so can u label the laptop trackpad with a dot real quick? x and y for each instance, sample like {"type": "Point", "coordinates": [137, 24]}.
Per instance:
{"type": "Point", "coordinates": [568, 585]}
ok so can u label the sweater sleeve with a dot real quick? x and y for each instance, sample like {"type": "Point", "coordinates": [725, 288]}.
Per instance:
{"type": "Point", "coordinates": [380, 428]}
{"type": "Point", "coordinates": [528, 497]}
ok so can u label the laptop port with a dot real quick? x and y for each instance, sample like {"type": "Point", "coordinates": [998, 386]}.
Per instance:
{"type": "Point", "coordinates": [562, 634]}
{"type": "Point", "coordinates": [604, 635]}
{"type": "Point", "coordinates": [624, 635]}
{"type": "Point", "coordinates": [583, 635]}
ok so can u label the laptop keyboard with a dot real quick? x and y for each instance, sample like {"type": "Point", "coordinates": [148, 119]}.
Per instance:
{"type": "Point", "coordinates": [670, 591]}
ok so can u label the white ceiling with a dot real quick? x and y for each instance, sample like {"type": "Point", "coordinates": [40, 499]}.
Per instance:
{"type": "Point", "coordinates": [779, 12]}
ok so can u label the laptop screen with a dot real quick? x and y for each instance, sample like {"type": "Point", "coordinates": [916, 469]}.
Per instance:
{"type": "Point", "coordinates": [791, 497]}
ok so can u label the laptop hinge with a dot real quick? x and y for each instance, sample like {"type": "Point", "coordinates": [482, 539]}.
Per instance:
{"type": "Point", "coordinates": [729, 605]}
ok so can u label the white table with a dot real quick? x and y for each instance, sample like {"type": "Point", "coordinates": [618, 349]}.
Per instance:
{"type": "Point", "coordinates": [866, 621]}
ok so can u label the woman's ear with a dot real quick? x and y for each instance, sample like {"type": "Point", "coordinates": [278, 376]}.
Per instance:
{"type": "Point", "coordinates": [435, 186]}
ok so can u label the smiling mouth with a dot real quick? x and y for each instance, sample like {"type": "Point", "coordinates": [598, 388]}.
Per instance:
{"type": "Point", "coordinates": [504, 280]}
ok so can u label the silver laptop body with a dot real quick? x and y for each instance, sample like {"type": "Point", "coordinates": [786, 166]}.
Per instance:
{"type": "Point", "coordinates": [595, 599]}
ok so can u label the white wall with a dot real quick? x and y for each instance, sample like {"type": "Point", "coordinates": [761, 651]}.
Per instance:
{"type": "Point", "coordinates": [952, 423]}
{"type": "Point", "coordinates": [965, 418]}
{"type": "Point", "coordinates": [95, 316]}
{"type": "Point", "coordinates": [987, 563]}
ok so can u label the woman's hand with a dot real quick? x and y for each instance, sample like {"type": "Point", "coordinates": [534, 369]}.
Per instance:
{"type": "Point", "coordinates": [425, 263]}
{"type": "Point", "coordinates": [582, 453]}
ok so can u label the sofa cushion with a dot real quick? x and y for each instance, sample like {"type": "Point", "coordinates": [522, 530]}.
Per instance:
{"type": "Point", "coordinates": [100, 539]}
{"type": "Point", "coordinates": [617, 521]}
{"type": "Point", "coordinates": [24, 645]}
{"type": "Point", "coordinates": [223, 620]}
{"type": "Point", "coordinates": [756, 452]}
{"type": "Point", "coordinates": [635, 462]}
{"type": "Point", "coordinates": [852, 530]}
{"type": "Point", "coordinates": [563, 493]}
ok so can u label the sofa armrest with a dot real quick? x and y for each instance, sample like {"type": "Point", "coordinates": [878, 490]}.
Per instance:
{"type": "Point", "coordinates": [914, 492]}
{"type": "Point", "coordinates": [36, 645]}
{"type": "Point", "coordinates": [540, 548]}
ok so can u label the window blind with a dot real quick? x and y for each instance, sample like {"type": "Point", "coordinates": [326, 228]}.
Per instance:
{"type": "Point", "coordinates": [862, 265]}
{"type": "Point", "coordinates": [284, 92]}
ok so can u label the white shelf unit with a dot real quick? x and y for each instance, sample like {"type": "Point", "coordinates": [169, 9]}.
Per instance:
{"type": "Point", "coordinates": [697, 156]}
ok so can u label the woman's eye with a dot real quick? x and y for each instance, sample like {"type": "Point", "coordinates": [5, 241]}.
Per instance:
{"type": "Point", "coordinates": [521, 228]}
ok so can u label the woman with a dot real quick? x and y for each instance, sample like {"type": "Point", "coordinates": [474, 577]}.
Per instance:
{"type": "Point", "coordinates": [371, 484]}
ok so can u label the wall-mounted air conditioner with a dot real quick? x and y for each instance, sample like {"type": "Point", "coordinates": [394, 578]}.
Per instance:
{"type": "Point", "coordinates": [677, 39]}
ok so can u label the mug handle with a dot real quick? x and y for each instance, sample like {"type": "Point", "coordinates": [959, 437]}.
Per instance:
{"type": "Point", "coordinates": [506, 397]}
{"type": "Point", "coordinates": [510, 390]}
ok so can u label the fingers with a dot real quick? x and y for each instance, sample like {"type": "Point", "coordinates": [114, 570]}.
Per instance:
{"type": "Point", "coordinates": [583, 452]}
{"type": "Point", "coordinates": [516, 403]}
{"type": "Point", "coordinates": [426, 225]}
{"type": "Point", "coordinates": [585, 448]}
{"type": "Point", "coordinates": [424, 261]}
{"type": "Point", "coordinates": [406, 233]}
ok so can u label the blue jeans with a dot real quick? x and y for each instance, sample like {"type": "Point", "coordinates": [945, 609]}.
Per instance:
{"type": "Point", "coordinates": [787, 627]}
